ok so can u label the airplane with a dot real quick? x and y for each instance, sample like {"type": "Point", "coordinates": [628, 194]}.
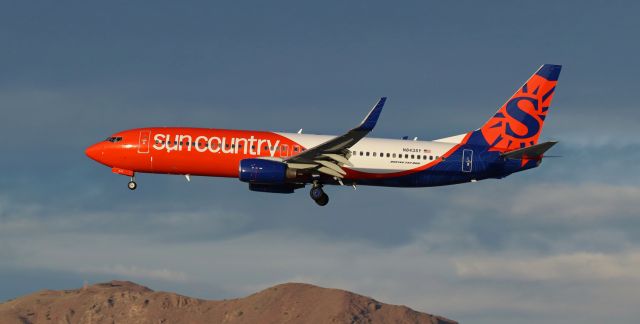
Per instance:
{"type": "Point", "coordinates": [278, 162]}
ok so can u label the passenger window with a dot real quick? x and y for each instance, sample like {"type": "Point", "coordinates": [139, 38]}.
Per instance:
{"type": "Point", "coordinates": [388, 154]}
{"type": "Point", "coordinates": [361, 153]}
{"type": "Point", "coordinates": [374, 153]}
{"type": "Point", "coordinates": [406, 156]}
{"type": "Point", "coordinates": [413, 156]}
{"type": "Point", "coordinates": [367, 153]}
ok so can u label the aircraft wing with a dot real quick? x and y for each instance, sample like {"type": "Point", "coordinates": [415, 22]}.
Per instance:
{"type": "Point", "coordinates": [330, 156]}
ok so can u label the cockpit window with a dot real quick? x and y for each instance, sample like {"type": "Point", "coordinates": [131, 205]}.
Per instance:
{"type": "Point", "coordinates": [114, 139]}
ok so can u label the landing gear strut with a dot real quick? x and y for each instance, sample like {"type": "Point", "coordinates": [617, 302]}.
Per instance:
{"type": "Point", "coordinates": [318, 195]}
{"type": "Point", "coordinates": [132, 185]}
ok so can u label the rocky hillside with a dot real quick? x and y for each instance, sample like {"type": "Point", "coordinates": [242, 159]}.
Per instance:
{"type": "Point", "coordinates": [127, 302]}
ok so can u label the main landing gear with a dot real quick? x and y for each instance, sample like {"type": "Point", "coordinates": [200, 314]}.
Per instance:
{"type": "Point", "coordinates": [132, 185]}
{"type": "Point", "coordinates": [318, 195]}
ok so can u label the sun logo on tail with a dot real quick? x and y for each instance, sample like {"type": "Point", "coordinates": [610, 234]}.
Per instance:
{"type": "Point", "coordinates": [519, 121]}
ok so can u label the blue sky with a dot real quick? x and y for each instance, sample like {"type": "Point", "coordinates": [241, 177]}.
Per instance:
{"type": "Point", "coordinates": [559, 243]}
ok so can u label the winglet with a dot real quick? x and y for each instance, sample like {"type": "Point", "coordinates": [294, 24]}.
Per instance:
{"type": "Point", "coordinates": [372, 118]}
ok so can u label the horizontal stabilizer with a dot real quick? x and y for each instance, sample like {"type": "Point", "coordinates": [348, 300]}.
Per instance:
{"type": "Point", "coordinates": [531, 152]}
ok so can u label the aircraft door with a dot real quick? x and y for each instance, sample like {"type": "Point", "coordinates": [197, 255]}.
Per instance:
{"type": "Point", "coordinates": [467, 160]}
{"type": "Point", "coordinates": [143, 143]}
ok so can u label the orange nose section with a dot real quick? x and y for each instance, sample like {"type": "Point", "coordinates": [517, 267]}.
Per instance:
{"type": "Point", "coordinates": [94, 152]}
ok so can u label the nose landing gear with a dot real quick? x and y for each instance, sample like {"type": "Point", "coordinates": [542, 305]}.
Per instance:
{"type": "Point", "coordinates": [132, 185]}
{"type": "Point", "coordinates": [318, 195]}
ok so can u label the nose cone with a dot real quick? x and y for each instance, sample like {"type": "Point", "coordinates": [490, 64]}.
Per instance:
{"type": "Point", "coordinates": [94, 152]}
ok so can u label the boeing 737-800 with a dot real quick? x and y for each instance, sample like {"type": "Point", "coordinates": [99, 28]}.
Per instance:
{"type": "Point", "coordinates": [283, 162]}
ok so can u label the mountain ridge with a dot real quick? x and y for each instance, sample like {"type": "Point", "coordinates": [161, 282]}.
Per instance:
{"type": "Point", "coordinates": [128, 302]}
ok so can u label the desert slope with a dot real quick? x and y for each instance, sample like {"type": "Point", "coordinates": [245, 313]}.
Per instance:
{"type": "Point", "coordinates": [127, 302]}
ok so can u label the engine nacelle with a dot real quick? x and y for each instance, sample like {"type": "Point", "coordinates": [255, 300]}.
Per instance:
{"type": "Point", "coordinates": [265, 171]}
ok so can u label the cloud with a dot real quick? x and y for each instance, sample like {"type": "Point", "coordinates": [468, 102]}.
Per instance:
{"type": "Point", "coordinates": [447, 254]}
{"type": "Point", "coordinates": [412, 274]}
{"type": "Point", "coordinates": [162, 222]}
{"type": "Point", "coordinates": [524, 213]}
{"type": "Point", "coordinates": [560, 201]}
{"type": "Point", "coordinates": [136, 272]}
{"type": "Point", "coordinates": [572, 126]}
{"type": "Point", "coordinates": [567, 268]}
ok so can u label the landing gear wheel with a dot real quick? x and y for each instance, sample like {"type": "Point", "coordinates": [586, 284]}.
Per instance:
{"type": "Point", "coordinates": [316, 192]}
{"type": "Point", "coordinates": [318, 195]}
{"type": "Point", "coordinates": [132, 185]}
{"type": "Point", "coordinates": [323, 201]}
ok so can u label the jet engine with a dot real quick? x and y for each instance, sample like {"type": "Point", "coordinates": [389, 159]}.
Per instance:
{"type": "Point", "coordinates": [265, 171]}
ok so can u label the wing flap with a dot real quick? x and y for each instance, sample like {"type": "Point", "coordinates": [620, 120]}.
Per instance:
{"type": "Point", "coordinates": [331, 166]}
{"type": "Point", "coordinates": [302, 166]}
{"type": "Point", "coordinates": [330, 172]}
{"type": "Point", "coordinates": [338, 158]}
